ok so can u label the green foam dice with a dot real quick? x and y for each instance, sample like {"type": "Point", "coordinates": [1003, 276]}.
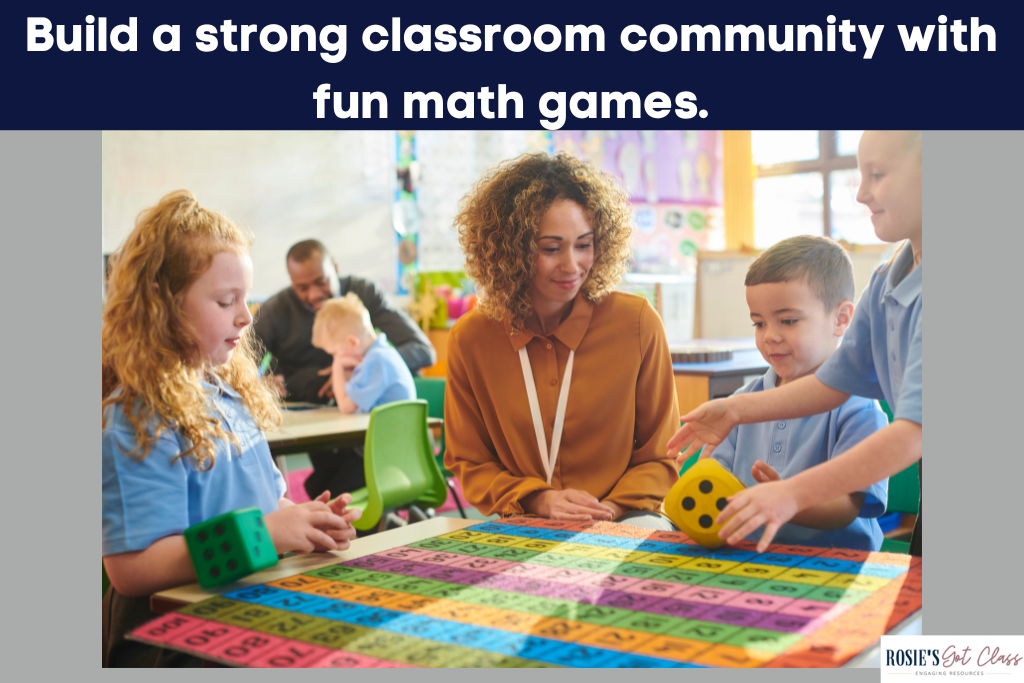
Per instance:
{"type": "Point", "coordinates": [229, 546]}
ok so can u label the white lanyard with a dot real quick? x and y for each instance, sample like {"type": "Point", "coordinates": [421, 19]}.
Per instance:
{"type": "Point", "coordinates": [538, 425]}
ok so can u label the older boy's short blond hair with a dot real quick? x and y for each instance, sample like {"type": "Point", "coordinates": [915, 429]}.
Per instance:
{"type": "Point", "coordinates": [824, 263]}
{"type": "Point", "coordinates": [344, 315]}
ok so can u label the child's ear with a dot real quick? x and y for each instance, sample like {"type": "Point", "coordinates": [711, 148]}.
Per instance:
{"type": "Point", "coordinates": [352, 340]}
{"type": "Point", "coordinates": [844, 315]}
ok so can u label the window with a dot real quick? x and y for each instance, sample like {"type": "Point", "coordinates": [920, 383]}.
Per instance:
{"type": "Point", "coordinates": [807, 185]}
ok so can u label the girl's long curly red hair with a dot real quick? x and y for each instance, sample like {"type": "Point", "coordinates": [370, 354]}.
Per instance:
{"type": "Point", "coordinates": [498, 220]}
{"type": "Point", "coordinates": [149, 346]}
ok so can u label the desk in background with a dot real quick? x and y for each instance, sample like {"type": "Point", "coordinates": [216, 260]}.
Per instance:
{"type": "Point", "coordinates": [697, 383]}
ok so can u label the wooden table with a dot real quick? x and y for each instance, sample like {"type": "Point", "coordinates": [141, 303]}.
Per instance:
{"type": "Point", "coordinates": [697, 383]}
{"type": "Point", "coordinates": [321, 429]}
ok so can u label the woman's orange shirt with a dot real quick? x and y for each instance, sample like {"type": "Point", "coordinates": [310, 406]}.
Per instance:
{"type": "Point", "coordinates": [620, 414]}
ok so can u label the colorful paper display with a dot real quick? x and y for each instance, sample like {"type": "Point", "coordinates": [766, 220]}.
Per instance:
{"type": "Point", "coordinates": [528, 592]}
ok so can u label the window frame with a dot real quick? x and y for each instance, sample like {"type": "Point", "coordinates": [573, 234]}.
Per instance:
{"type": "Point", "coordinates": [828, 160]}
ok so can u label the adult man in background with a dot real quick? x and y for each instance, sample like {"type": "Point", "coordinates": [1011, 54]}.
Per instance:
{"type": "Point", "coordinates": [284, 323]}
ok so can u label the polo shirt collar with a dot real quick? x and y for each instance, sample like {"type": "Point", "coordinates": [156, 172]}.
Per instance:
{"type": "Point", "coordinates": [217, 385]}
{"type": "Point", "coordinates": [770, 379]}
{"type": "Point", "coordinates": [907, 290]}
{"type": "Point", "coordinates": [570, 332]}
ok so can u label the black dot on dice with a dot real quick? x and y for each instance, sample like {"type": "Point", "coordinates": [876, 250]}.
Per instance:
{"type": "Point", "coordinates": [225, 546]}
{"type": "Point", "coordinates": [259, 521]}
{"type": "Point", "coordinates": [256, 550]}
{"type": "Point", "coordinates": [705, 521]}
{"type": "Point", "coordinates": [232, 565]}
{"type": "Point", "coordinates": [208, 553]}
{"type": "Point", "coordinates": [219, 529]}
{"type": "Point", "coordinates": [689, 503]}
{"type": "Point", "coordinates": [721, 503]}
{"type": "Point", "coordinates": [705, 486]}
{"type": "Point", "coordinates": [258, 537]}
{"type": "Point", "coordinates": [202, 536]}
{"type": "Point", "coordinates": [214, 572]}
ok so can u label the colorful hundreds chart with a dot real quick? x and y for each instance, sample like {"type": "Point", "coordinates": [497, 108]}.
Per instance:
{"type": "Point", "coordinates": [529, 592]}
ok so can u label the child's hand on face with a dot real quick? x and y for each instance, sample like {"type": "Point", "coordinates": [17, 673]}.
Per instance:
{"type": "Point", "coordinates": [763, 472]}
{"type": "Point", "coordinates": [708, 425]}
{"type": "Point", "coordinates": [770, 505]}
{"type": "Point", "coordinates": [306, 527]}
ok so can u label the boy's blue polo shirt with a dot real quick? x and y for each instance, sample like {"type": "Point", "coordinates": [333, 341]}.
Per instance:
{"type": "Point", "coordinates": [381, 377]}
{"type": "Point", "coordinates": [792, 446]}
{"type": "Point", "coordinates": [144, 501]}
{"type": "Point", "coordinates": [880, 356]}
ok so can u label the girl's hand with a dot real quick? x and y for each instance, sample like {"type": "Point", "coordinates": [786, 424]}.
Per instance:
{"type": "Point", "coordinates": [570, 504]}
{"type": "Point", "coordinates": [708, 425]}
{"type": "Point", "coordinates": [770, 505]}
{"type": "Point", "coordinates": [304, 527]}
{"type": "Point", "coordinates": [338, 507]}
{"type": "Point", "coordinates": [763, 472]}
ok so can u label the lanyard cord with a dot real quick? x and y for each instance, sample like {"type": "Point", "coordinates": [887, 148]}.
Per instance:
{"type": "Point", "coordinates": [538, 425]}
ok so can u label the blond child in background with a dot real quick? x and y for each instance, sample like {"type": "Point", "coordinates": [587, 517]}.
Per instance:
{"type": "Point", "coordinates": [879, 358]}
{"type": "Point", "coordinates": [183, 414]}
{"type": "Point", "coordinates": [366, 371]}
{"type": "Point", "coordinates": [800, 294]}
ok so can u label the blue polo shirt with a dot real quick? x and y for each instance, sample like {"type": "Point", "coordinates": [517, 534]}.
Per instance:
{"type": "Point", "coordinates": [792, 446]}
{"type": "Point", "coordinates": [880, 356]}
{"type": "Point", "coordinates": [144, 501]}
{"type": "Point", "coordinates": [381, 377]}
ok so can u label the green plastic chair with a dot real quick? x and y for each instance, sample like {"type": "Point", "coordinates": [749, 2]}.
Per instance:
{"type": "Point", "coordinates": [431, 389]}
{"type": "Point", "coordinates": [398, 460]}
{"type": "Point", "coordinates": [904, 496]}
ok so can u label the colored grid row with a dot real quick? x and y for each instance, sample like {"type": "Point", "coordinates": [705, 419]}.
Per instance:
{"type": "Point", "coordinates": [388, 634]}
{"type": "Point", "coordinates": [705, 613]}
{"type": "Point", "coordinates": [794, 582]}
{"type": "Point", "coordinates": [820, 559]}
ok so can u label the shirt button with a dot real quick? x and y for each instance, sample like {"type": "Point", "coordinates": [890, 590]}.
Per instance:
{"type": "Point", "coordinates": [893, 356]}
{"type": "Point", "coordinates": [777, 448]}
{"type": "Point", "coordinates": [782, 425]}
{"type": "Point", "coordinates": [554, 382]}
{"type": "Point", "coordinates": [549, 347]}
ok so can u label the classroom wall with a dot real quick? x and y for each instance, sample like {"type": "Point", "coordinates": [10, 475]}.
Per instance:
{"type": "Point", "coordinates": [723, 303]}
{"type": "Point", "coordinates": [335, 186]}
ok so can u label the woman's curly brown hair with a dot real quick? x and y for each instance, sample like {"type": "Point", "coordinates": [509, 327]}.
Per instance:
{"type": "Point", "coordinates": [498, 221]}
{"type": "Point", "coordinates": [149, 346]}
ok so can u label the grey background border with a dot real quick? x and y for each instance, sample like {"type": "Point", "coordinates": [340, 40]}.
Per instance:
{"type": "Point", "coordinates": [50, 192]}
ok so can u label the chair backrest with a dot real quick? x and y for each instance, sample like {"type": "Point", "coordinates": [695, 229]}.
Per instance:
{"type": "Point", "coordinates": [905, 487]}
{"type": "Point", "coordinates": [398, 459]}
{"type": "Point", "coordinates": [431, 390]}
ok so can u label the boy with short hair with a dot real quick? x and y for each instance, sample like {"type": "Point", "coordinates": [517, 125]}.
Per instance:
{"type": "Point", "coordinates": [800, 294]}
{"type": "Point", "coordinates": [366, 371]}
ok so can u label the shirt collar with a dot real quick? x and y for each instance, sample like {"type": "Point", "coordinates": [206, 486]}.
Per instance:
{"type": "Point", "coordinates": [770, 378]}
{"type": "Point", "coordinates": [570, 332]}
{"type": "Point", "coordinates": [218, 386]}
{"type": "Point", "coordinates": [907, 290]}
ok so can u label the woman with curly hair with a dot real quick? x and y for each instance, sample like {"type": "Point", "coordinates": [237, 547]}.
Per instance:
{"type": "Point", "coordinates": [183, 412]}
{"type": "Point", "coordinates": [560, 396]}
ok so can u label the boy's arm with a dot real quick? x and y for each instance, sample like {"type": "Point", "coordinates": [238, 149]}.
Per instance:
{"type": "Point", "coordinates": [345, 404]}
{"type": "Point", "coordinates": [883, 454]}
{"type": "Point", "coordinates": [711, 423]}
{"type": "Point", "coordinates": [837, 513]}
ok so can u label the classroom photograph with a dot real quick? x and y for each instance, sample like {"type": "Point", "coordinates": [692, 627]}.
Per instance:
{"type": "Point", "coordinates": [474, 399]}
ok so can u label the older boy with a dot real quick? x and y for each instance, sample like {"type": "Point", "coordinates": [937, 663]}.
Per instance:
{"type": "Point", "coordinates": [800, 294]}
{"type": "Point", "coordinates": [366, 371]}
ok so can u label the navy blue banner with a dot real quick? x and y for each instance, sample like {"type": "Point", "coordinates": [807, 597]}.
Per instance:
{"type": "Point", "coordinates": [514, 65]}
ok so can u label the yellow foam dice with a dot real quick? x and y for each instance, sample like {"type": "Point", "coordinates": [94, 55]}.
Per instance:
{"type": "Point", "coordinates": [698, 497]}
